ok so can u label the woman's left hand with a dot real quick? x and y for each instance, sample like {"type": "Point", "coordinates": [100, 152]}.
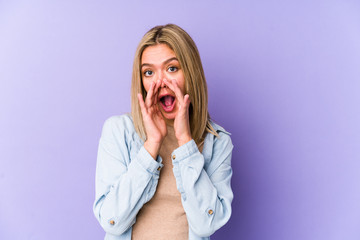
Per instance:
{"type": "Point", "coordinates": [181, 122]}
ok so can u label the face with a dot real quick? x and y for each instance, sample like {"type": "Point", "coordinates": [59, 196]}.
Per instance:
{"type": "Point", "coordinates": [159, 62]}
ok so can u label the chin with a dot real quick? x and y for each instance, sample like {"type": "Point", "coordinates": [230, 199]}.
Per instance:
{"type": "Point", "coordinates": [169, 115]}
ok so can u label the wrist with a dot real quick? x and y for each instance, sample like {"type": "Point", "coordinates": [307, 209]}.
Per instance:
{"type": "Point", "coordinates": [152, 148]}
{"type": "Point", "coordinates": [184, 140]}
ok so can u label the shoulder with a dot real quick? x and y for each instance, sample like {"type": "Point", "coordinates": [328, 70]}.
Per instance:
{"type": "Point", "coordinates": [218, 128]}
{"type": "Point", "coordinates": [217, 149]}
{"type": "Point", "coordinates": [224, 136]}
{"type": "Point", "coordinates": [223, 142]}
{"type": "Point", "coordinates": [118, 124]}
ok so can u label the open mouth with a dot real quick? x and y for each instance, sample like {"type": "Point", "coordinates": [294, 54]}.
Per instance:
{"type": "Point", "coordinates": [167, 103]}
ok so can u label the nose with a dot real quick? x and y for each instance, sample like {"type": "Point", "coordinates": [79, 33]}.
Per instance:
{"type": "Point", "coordinates": [161, 76]}
{"type": "Point", "coordinates": [162, 83]}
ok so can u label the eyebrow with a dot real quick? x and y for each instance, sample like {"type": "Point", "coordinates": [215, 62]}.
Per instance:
{"type": "Point", "coordinates": [165, 62]}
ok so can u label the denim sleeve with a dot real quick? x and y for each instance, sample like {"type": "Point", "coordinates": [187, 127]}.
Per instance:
{"type": "Point", "coordinates": [123, 185]}
{"type": "Point", "coordinates": [206, 196]}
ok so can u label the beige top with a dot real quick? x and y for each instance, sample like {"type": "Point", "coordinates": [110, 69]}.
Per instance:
{"type": "Point", "coordinates": [163, 217]}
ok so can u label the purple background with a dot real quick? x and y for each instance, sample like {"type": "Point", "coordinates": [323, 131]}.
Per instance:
{"type": "Point", "coordinates": [283, 77]}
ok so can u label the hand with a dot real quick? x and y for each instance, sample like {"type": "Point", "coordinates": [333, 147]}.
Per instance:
{"type": "Point", "coordinates": [181, 122]}
{"type": "Point", "coordinates": [154, 122]}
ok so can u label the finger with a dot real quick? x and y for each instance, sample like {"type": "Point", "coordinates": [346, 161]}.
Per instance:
{"type": "Point", "coordinates": [156, 91]}
{"type": "Point", "coordinates": [187, 100]}
{"type": "Point", "coordinates": [169, 84]}
{"type": "Point", "coordinates": [148, 100]}
{"type": "Point", "coordinates": [142, 104]}
{"type": "Point", "coordinates": [184, 108]}
{"type": "Point", "coordinates": [178, 92]}
{"type": "Point", "coordinates": [175, 88]}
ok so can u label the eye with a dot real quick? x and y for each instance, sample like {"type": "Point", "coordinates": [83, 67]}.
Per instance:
{"type": "Point", "coordinates": [148, 73]}
{"type": "Point", "coordinates": [172, 69]}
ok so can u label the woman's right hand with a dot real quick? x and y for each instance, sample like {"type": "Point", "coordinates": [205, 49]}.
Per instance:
{"type": "Point", "coordinates": [154, 122]}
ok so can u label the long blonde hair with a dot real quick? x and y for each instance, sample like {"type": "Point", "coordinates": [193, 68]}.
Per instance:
{"type": "Point", "coordinates": [195, 83]}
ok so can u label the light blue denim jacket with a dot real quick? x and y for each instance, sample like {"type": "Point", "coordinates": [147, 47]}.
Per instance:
{"type": "Point", "coordinates": [127, 176]}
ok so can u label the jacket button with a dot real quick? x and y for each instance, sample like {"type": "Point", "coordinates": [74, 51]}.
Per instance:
{"type": "Point", "coordinates": [210, 212]}
{"type": "Point", "coordinates": [159, 168]}
{"type": "Point", "coordinates": [112, 222]}
{"type": "Point", "coordinates": [173, 157]}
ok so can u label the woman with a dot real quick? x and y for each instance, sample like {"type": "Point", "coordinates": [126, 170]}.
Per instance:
{"type": "Point", "coordinates": [164, 171]}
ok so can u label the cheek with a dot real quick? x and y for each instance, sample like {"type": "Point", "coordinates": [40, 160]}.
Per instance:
{"type": "Point", "coordinates": [146, 85]}
{"type": "Point", "coordinates": [181, 83]}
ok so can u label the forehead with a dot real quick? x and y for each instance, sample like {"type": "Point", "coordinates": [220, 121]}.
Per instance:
{"type": "Point", "coordinates": [157, 54]}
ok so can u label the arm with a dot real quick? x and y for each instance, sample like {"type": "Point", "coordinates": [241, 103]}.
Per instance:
{"type": "Point", "coordinates": [123, 185]}
{"type": "Point", "coordinates": [206, 195]}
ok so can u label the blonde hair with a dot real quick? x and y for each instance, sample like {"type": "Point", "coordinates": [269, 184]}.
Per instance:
{"type": "Point", "coordinates": [195, 83]}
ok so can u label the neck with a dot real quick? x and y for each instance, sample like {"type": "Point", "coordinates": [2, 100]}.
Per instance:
{"type": "Point", "coordinates": [170, 134]}
{"type": "Point", "coordinates": [169, 122]}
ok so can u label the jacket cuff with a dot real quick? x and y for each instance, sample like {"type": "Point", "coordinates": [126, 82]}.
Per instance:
{"type": "Point", "coordinates": [184, 151]}
{"type": "Point", "coordinates": [148, 163]}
